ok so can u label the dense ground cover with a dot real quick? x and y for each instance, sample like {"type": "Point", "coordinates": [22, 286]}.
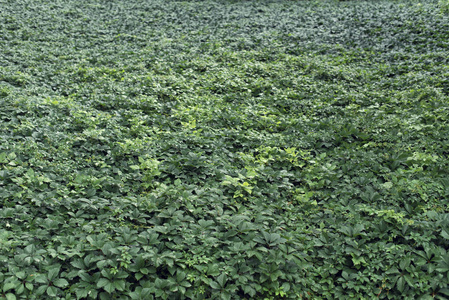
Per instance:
{"type": "Point", "coordinates": [227, 149]}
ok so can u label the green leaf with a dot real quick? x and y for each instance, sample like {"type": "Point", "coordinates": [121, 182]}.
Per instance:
{"type": "Point", "coordinates": [444, 291]}
{"type": "Point", "coordinates": [20, 275]}
{"type": "Point", "coordinates": [445, 234]}
{"type": "Point", "coordinates": [119, 285]}
{"type": "Point", "coordinates": [400, 284]}
{"type": "Point", "coordinates": [121, 274]}
{"type": "Point", "coordinates": [404, 263]}
{"type": "Point", "coordinates": [139, 276]}
{"type": "Point", "coordinates": [10, 296]}
{"type": "Point", "coordinates": [41, 290]}
{"type": "Point", "coordinates": [443, 265]}
{"type": "Point", "coordinates": [52, 291]}
{"type": "Point", "coordinates": [225, 296]}
{"type": "Point", "coordinates": [78, 263]}
{"type": "Point", "coordinates": [392, 271]}
{"type": "Point", "coordinates": [41, 278]}
{"type": "Point", "coordinates": [102, 282]}
{"type": "Point", "coordinates": [20, 289]}
{"type": "Point", "coordinates": [180, 276]}
{"type": "Point", "coordinates": [81, 292]}
{"type": "Point", "coordinates": [144, 271]}
{"type": "Point", "coordinates": [213, 270]}
{"type": "Point", "coordinates": [249, 290]}
{"type": "Point", "coordinates": [105, 296]}
{"type": "Point", "coordinates": [3, 157]}
{"type": "Point", "coordinates": [358, 260]}
{"type": "Point", "coordinates": [109, 287]}
{"type": "Point", "coordinates": [62, 283]}
{"type": "Point", "coordinates": [29, 286]}
{"type": "Point", "coordinates": [214, 285]}
{"type": "Point", "coordinates": [53, 273]}
{"type": "Point", "coordinates": [10, 285]}
{"type": "Point", "coordinates": [285, 287]}
{"type": "Point", "coordinates": [222, 279]}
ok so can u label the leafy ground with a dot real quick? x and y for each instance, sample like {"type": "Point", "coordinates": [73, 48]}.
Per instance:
{"type": "Point", "coordinates": [224, 150]}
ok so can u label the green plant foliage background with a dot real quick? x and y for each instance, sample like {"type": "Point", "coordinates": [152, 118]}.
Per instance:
{"type": "Point", "coordinates": [224, 149]}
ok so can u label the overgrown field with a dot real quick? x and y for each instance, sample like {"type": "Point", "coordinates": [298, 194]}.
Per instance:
{"type": "Point", "coordinates": [224, 149]}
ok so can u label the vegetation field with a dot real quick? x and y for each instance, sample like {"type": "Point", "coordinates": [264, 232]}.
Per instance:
{"type": "Point", "coordinates": [158, 149]}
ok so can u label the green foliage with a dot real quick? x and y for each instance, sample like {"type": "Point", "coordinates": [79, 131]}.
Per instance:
{"type": "Point", "coordinates": [224, 149]}
{"type": "Point", "coordinates": [444, 6]}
